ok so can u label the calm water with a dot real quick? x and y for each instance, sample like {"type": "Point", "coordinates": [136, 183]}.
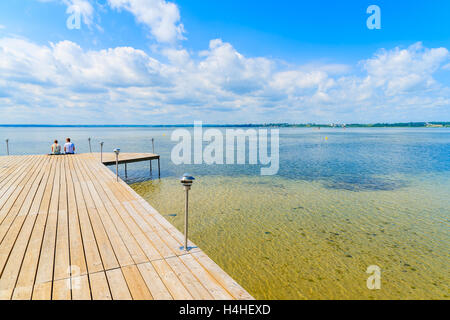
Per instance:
{"type": "Point", "coordinates": [361, 197]}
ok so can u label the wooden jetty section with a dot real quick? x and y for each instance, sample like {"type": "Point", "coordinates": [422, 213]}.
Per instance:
{"type": "Point", "coordinates": [68, 230]}
{"type": "Point", "coordinates": [109, 159]}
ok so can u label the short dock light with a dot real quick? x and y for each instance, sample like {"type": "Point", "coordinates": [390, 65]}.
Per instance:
{"type": "Point", "coordinates": [90, 148]}
{"type": "Point", "coordinates": [7, 146]}
{"type": "Point", "coordinates": [117, 151]}
{"type": "Point", "coordinates": [101, 151]}
{"type": "Point", "coordinates": [186, 181]}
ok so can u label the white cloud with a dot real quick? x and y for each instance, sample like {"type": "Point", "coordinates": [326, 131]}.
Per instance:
{"type": "Point", "coordinates": [2, 27]}
{"type": "Point", "coordinates": [401, 70]}
{"type": "Point", "coordinates": [126, 85]}
{"type": "Point", "coordinates": [162, 17]}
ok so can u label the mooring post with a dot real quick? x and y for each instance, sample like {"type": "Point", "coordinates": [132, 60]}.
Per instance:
{"type": "Point", "coordinates": [126, 171]}
{"type": "Point", "coordinates": [117, 151]}
{"type": "Point", "coordinates": [101, 151]}
{"type": "Point", "coordinates": [7, 147]}
{"type": "Point", "coordinates": [159, 168]}
{"type": "Point", "coordinates": [90, 148]}
{"type": "Point", "coordinates": [151, 172]}
{"type": "Point", "coordinates": [186, 181]}
{"type": "Point", "coordinates": [153, 145]}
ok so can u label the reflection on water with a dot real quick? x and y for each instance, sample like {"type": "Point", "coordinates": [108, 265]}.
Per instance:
{"type": "Point", "coordinates": [361, 197]}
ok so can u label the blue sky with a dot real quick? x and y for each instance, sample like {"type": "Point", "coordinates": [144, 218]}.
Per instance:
{"type": "Point", "coordinates": [158, 61]}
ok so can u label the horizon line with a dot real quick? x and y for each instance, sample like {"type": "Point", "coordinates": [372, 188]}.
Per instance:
{"type": "Point", "coordinates": [225, 125]}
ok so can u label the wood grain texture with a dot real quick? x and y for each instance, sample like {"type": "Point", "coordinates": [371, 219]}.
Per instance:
{"type": "Point", "coordinates": [69, 230]}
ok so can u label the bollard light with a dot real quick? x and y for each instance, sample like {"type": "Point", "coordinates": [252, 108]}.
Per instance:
{"type": "Point", "coordinates": [101, 151]}
{"type": "Point", "coordinates": [90, 148]}
{"type": "Point", "coordinates": [117, 151]}
{"type": "Point", "coordinates": [186, 181]}
{"type": "Point", "coordinates": [7, 146]}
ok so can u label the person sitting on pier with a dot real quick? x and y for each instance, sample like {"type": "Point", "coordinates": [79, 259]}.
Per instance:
{"type": "Point", "coordinates": [56, 148]}
{"type": "Point", "coordinates": [69, 147]}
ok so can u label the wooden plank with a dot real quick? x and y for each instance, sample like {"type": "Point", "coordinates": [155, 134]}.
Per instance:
{"type": "Point", "coordinates": [12, 224]}
{"type": "Point", "coordinates": [77, 256]}
{"type": "Point", "coordinates": [171, 281]}
{"type": "Point", "coordinates": [80, 288]}
{"type": "Point", "coordinates": [91, 251]}
{"type": "Point", "coordinates": [118, 285]}
{"type": "Point", "coordinates": [15, 197]}
{"type": "Point", "coordinates": [110, 158]}
{"type": "Point", "coordinates": [68, 230]}
{"type": "Point", "coordinates": [121, 221]}
{"type": "Point", "coordinates": [123, 256]}
{"type": "Point", "coordinates": [193, 285]}
{"type": "Point", "coordinates": [13, 173]}
{"type": "Point", "coordinates": [214, 288]}
{"type": "Point", "coordinates": [24, 286]}
{"type": "Point", "coordinates": [224, 279]}
{"type": "Point", "coordinates": [154, 283]}
{"type": "Point", "coordinates": [46, 261]}
{"type": "Point", "coordinates": [141, 226]}
{"type": "Point", "coordinates": [104, 245]}
{"type": "Point", "coordinates": [136, 283]}
{"type": "Point", "coordinates": [43, 291]}
{"type": "Point", "coordinates": [61, 290]}
{"type": "Point", "coordinates": [62, 254]}
{"type": "Point", "coordinates": [99, 286]}
{"type": "Point", "coordinates": [11, 271]}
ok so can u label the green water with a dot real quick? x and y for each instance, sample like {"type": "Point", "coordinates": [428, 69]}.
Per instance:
{"type": "Point", "coordinates": [289, 239]}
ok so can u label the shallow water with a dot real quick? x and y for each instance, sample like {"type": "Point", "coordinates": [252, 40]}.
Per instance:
{"type": "Point", "coordinates": [361, 197]}
{"type": "Point", "coordinates": [287, 239]}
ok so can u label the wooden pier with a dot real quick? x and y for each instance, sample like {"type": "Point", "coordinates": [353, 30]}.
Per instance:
{"type": "Point", "coordinates": [68, 230]}
{"type": "Point", "coordinates": [109, 159]}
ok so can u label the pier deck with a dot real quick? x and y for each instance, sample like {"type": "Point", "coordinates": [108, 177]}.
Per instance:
{"type": "Point", "coordinates": [68, 230]}
{"type": "Point", "coordinates": [110, 158]}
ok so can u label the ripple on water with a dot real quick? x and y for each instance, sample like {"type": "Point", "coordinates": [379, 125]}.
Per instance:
{"type": "Point", "coordinates": [315, 239]}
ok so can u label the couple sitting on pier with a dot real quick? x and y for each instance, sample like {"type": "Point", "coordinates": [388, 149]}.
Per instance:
{"type": "Point", "coordinates": [69, 148]}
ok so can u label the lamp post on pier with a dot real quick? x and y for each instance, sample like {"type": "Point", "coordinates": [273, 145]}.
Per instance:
{"type": "Point", "coordinates": [186, 181]}
{"type": "Point", "coordinates": [101, 151]}
{"type": "Point", "coordinates": [117, 151]}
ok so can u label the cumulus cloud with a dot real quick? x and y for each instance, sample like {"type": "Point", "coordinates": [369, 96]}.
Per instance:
{"type": "Point", "coordinates": [160, 16]}
{"type": "Point", "coordinates": [400, 70]}
{"type": "Point", "coordinates": [127, 85]}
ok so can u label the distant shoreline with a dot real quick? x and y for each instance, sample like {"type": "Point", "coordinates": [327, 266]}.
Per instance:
{"type": "Point", "coordinates": [267, 125]}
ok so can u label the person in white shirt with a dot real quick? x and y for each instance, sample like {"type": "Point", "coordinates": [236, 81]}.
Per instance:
{"type": "Point", "coordinates": [69, 147]}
